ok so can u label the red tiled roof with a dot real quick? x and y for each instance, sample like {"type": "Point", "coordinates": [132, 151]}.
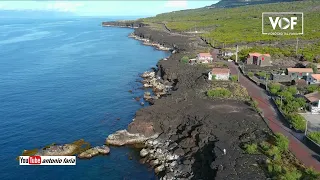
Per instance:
{"type": "Point", "coordinates": [316, 76]}
{"type": "Point", "coordinates": [258, 54]}
{"type": "Point", "coordinates": [254, 54]}
{"type": "Point", "coordinates": [205, 55]}
{"type": "Point", "coordinates": [313, 97]}
{"type": "Point", "coordinates": [300, 70]}
{"type": "Point", "coordinates": [220, 71]}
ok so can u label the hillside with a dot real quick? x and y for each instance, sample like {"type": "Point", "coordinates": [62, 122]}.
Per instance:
{"type": "Point", "coordinates": [236, 3]}
{"type": "Point", "coordinates": [242, 25]}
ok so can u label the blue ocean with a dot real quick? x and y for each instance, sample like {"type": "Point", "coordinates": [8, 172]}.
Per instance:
{"type": "Point", "coordinates": [67, 79]}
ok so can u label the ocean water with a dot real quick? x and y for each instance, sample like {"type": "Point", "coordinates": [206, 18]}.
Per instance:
{"type": "Point", "coordinates": [66, 79]}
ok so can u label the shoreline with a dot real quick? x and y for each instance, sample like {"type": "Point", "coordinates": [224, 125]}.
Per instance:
{"type": "Point", "coordinates": [182, 137]}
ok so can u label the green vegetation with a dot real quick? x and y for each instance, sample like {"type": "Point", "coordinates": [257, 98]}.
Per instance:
{"type": "Point", "coordinates": [281, 142]}
{"type": "Point", "coordinates": [185, 59]}
{"type": "Point", "coordinates": [234, 78]}
{"type": "Point", "coordinates": [312, 88]}
{"type": "Point", "coordinates": [250, 74]}
{"type": "Point", "coordinates": [251, 148]}
{"type": "Point", "coordinates": [219, 92]}
{"type": "Point", "coordinates": [290, 105]}
{"type": "Point", "coordinates": [313, 66]}
{"type": "Point", "coordinates": [227, 90]}
{"type": "Point", "coordinates": [243, 24]}
{"type": "Point", "coordinates": [297, 121]}
{"type": "Point", "coordinates": [262, 74]}
{"type": "Point", "coordinates": [280, 163]}
{"type": "Point", "coordinates": [315, 136]}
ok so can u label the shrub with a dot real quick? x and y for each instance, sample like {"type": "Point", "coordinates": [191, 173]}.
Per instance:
{"type": "Point", "coordinates": [293, 90]}
{"type": "Point", "coordinates": [274, 153]}
{"type": "Point", "coordinates": [265, 146]}
{"type": "Point", "coordinates": [251, 148]}
{"type": "Point", "coordinates": [312, 88]}
{"type": "Point", "coordinates": [293, 174]}
{"type": "Point", "coordinates": [313, 66]}
{"type": "Point", "coordinates": [274, 169]}
{"type": "Point", "coordinates": [281, 142]}
{"type": "Point", "coordinates": [219, 92]}
{"type": "Point", "coordinates": [278, 102]}
{"type": "Point", "coordinates": [311, 174]}
{"type": "Point", "coordinates": [274, 86]}
{"type": "Point", "coordinates": [250, 74]}
{"type": "Point", "coordinates": [315, 136]}
{"type": "Point", "coordinates": [254, 105]}
{"type": "Point", "coordinates": [297, 121]}
{"type": "Point", "coordinates": [262, 74]}
{"type": "Point", "coordinates": [185, 59]}
{"type": "Point", "coordinates": [234, 78]}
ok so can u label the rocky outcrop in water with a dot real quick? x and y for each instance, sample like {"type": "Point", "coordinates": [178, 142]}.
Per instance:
{"type": "Point", "coordinates": [94, 151]}
{"type": "Point", "coordinates": [123, 137]}
{"type": "Point", "coordinates": [125, 24]}
{"type": "Point", "coordinates": [76, 147]}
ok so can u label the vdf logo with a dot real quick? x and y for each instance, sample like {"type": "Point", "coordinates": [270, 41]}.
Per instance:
{"type": "Point", "coordinates": [282, 23]}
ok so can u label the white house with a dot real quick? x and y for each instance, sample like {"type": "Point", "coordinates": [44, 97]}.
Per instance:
{"type": "Point", "coordinates": [314, 102]}
{"type": "Point", "coordinates": [313, 79]}
{"type": "Point", "coordinates": [204, 58]}
{"type": "Point", "coordinates": [219, 74]}
{"type": "Point", "coordinates": [228, 53]}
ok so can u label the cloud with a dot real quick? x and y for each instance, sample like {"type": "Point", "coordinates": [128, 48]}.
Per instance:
{"type": "Point", "coordinates": [176, 4]}
{"type": "Point", "coordinates": [64, 6]}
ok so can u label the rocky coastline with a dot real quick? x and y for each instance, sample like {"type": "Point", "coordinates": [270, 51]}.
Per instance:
{"type": "Point", "coordinates": [184, 135]}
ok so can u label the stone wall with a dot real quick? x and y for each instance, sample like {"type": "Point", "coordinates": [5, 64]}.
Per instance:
{"type": "Point", "coordinates": [280, 78]}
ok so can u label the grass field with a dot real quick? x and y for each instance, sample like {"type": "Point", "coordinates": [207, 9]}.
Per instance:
{"type": "Point", "coordinates": [243, 25]}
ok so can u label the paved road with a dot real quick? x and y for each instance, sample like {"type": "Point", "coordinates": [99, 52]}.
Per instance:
{"type": "Point", "coordinates": [275, 121]}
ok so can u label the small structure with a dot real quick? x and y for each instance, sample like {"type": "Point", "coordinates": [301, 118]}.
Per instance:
{"type": "Point", "coordinates": [299, 73]}
{"type": "Point", "coordinates": [204, 58]}
{"type": "Point", "coordinates": [313, 79]}
{"type": "Point", "coordinates": [219, 74]}
{"type": "Point", "coordinates": [259, 59]}
{"type": "Point", "coordinates": [228, 53]}
{"type": "Point", "coordinates": [192, 61]}
{"type": "Point", "coordinates": [314, 102]}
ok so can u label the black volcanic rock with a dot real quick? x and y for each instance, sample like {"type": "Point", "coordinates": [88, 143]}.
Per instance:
{"type": "Point", "coordinates": [197, 129]}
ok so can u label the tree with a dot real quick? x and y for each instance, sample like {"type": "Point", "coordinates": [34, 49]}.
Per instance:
{"type": "Point", "coordinates": [234, 78]}
{"type": "Point", "coordinates": [185, 59]}
{"type": "Point", "coordinates": [293, 90]}
{"type": "Point", "coordinates": [312, 88]}
{"type": "Point", "coordinates": [274, 88]}
{"type": "Point", "coordinates": [313, 66]}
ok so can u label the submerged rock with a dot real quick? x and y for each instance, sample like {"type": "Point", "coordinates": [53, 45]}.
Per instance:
{"type": "Point", "coordinates": [89, 153]}
{"type": "Point", "coordinates": [94, 151]}
{"type": "Point", "coordinates": [70, 149]}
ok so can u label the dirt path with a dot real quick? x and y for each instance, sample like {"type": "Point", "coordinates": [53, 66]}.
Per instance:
{"type": "Point", "coordinates": [301, 151]}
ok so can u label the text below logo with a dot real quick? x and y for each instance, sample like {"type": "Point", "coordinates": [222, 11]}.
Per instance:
{"type": "Point", "coordinates": [47, 160]}
{"type": "Point", "coordinates": [282, 23]}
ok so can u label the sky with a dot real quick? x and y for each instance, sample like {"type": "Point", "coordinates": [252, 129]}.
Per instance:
{"type": "Point", "coordinates": [106, 7]}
